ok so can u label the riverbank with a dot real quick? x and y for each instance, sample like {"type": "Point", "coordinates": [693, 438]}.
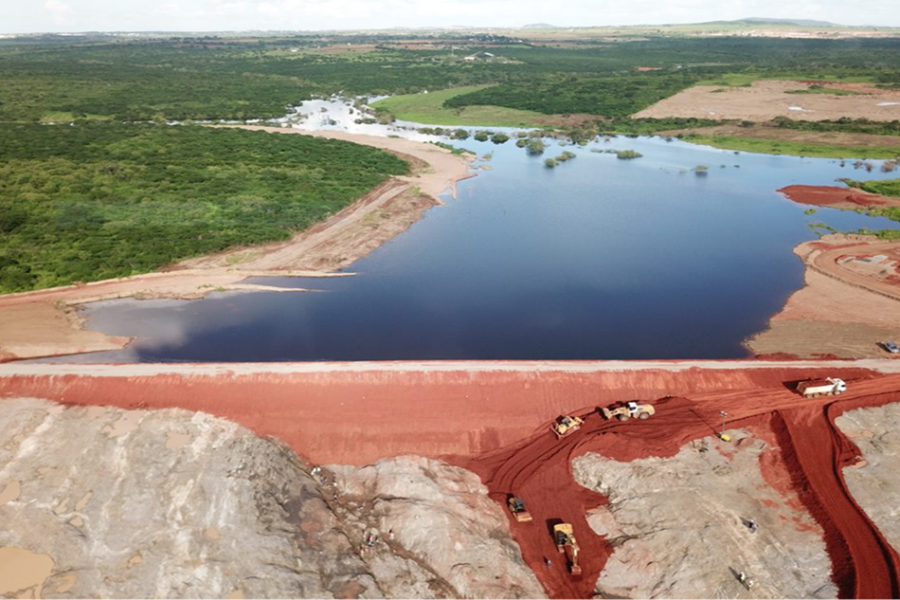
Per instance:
{"type": "Point", "coordinates": [850, 303]}
{"type": "Point", "coordinates": [45, 322]}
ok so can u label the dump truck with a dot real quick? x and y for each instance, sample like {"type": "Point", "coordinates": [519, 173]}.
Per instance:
{"type": "Point", "coordinates": [517, 508]}
{"type": "Point", "coordinates": [629, 410]}
{"type": "Point", "coordinates": [564, 536]}
{"type": "Point", "coordinates": [566, 425]}
{"type": "Point", "coordinates": [813, 388]}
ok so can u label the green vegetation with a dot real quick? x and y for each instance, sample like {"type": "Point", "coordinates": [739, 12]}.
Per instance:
{"type": "Point", "coordinates": [701, 170]}
{"type": "Point", "coordinates": [886, 187]}
{"type": "Point", "coordinates": [535, 147]}
{"type": "Point", "coordinates": [453, 149]}
{"type": "Point", "coordinates": [565, 156]}
{"type": "Point", "coordinates": [219, 78]}
{"type": "Point", "coordinates": [821, 89]}
{"type": "Point", "coordinates": [96, 201]}
{"type": "Point", "coordinates": [844, 125]}
{"type": "Point", "coordinates": [430, 108]}
{"type": "Point", "coordinates": [792, 148]}
{"type": "Point", "coordinates": [620, 154]}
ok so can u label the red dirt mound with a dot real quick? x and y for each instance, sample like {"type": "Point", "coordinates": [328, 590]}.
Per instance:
{"type": "Point", "coordinates": [832, 196]}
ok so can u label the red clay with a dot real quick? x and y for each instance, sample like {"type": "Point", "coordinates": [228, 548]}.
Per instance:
{"type": "Point", "coordinates": [497, 424]}
{"type": "Point", "coordinates": [820, 195]}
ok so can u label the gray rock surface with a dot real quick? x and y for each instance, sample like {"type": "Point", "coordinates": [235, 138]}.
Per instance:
{"type": "Point", "coordinates": [113, 503]}
{"type": "Point", "coordinates": [433, 518]}
{"type": "Point", "coordinates": [874, 482]}
{"type": "Point", "coordinates": [679, 526]}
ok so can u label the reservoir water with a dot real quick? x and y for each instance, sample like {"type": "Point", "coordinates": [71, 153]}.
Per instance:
{"type": "Point", "coordinates": [599, 258]}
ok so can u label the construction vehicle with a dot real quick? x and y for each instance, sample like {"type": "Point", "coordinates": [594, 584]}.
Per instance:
{"type": "Point", "coordinates": [566, 425]}
{"type": "Point", "coordinates": [629, 410]}
{"type": "Point", "coordinates": [813, 388]}
{"type": "Point", "coordinates": [564, 536]}
{"type": "Point", "coordinates": [517, 508]}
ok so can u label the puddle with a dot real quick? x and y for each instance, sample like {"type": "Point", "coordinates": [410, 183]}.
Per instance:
{"type": "Point", "coordinates": [10, 492]}
{"type": "Point", "coordinates": [23, 573]}
{"type": "Point", "coordinates": [176, 441]}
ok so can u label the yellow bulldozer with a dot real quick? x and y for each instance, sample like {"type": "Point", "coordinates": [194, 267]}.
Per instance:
{"type": "Point", "coordinates": [566, 425]}
{"type": "Point", "coordinates": [517, 508]}
{"type": "Point", "coordinates": [564, 536]}
{"type": "Point", "coordinates": [629, 410]}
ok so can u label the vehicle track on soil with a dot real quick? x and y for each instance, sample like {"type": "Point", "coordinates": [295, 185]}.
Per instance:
{"type": "Point", "coordinates": [538, 470]}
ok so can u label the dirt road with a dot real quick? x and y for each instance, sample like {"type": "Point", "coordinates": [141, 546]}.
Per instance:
{"type": "Point", "coordinates": [815, 452]}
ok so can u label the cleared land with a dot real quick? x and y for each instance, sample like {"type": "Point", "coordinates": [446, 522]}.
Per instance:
{"type": "Point", "coordinates": [764, 100]}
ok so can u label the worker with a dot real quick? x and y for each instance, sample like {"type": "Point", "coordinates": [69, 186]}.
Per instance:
{"type": "Point", "coordinates": [547, 563]}
{"type": "Point", "coordinates": [742, 577]}
{"type": "Point", "coordinates": [752, 525]}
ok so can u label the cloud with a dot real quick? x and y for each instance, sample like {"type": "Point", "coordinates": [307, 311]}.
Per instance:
{"type": "Point", "coordinates": [59, 11]}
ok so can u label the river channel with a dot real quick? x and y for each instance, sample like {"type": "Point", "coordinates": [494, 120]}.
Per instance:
{"type": "Point", "coordinates": [598, 258]}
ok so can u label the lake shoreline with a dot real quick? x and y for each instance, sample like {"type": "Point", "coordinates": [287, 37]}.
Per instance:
{"type": "Point", "coordinates": [44, 323]}
{"type": "Point", "coordinates": [850, 302]}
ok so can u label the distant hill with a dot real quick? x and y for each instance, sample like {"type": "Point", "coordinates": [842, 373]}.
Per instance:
{"type": "Point", "coordinates": [767, 21]}
{"type": "Point", "coordinates": [539, 26]}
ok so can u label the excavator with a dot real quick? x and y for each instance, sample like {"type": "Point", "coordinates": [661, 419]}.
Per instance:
{"type": "Point", "coordinates": [566, 425]}
{"type": "Point", "coordinates": [629, 410]}
{"type": "Point", "coordinates": [564, 536]}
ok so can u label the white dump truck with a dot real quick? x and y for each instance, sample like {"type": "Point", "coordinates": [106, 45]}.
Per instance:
{"type": "Point", "coordinates": [829, 386]}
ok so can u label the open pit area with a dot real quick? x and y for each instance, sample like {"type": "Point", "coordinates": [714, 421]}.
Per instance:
{"type": "Point", "coordinates": [391, 480]}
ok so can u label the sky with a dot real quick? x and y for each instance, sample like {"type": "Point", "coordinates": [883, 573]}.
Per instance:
{"type": "Point", "coordinates": [32, 16]}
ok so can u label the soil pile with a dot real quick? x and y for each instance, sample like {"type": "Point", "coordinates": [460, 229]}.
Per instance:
{"type": "Point", "coordinates": [680, 526]}
{"type": "Point", "coordinates": [103, 502]}
{"type": "Point", "coordinates": [835, 197]}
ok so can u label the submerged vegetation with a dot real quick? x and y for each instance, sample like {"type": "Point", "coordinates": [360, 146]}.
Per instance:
{"type": "Point", "coordinates": [97, 201]}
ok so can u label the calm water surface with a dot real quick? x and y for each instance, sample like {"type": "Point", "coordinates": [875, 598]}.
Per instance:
{"type": "Point", "coordinates": [599, 258]}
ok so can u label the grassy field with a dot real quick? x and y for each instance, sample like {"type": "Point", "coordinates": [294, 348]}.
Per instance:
{"type": "Point", "coordinates": [429, 108]}
{"type": "Point", "coordinates": [763, 146]}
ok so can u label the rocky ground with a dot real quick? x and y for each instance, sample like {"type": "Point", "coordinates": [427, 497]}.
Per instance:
{"type": "Point", "coordinates": [679, 525]}
{"type": "Point", "coordinates": [874, 482]}
{"type": "Point", "coordinates": [170, 503]}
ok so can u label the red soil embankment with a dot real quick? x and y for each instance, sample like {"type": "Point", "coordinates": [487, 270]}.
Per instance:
{"type": "Point", "coordinates": [357, 416]}
{"type": "Point", "coordinates": [839, 197]}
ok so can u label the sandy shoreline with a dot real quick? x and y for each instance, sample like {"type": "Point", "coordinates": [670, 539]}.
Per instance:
{"type": "Point", "coordinates": [43, 323]}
